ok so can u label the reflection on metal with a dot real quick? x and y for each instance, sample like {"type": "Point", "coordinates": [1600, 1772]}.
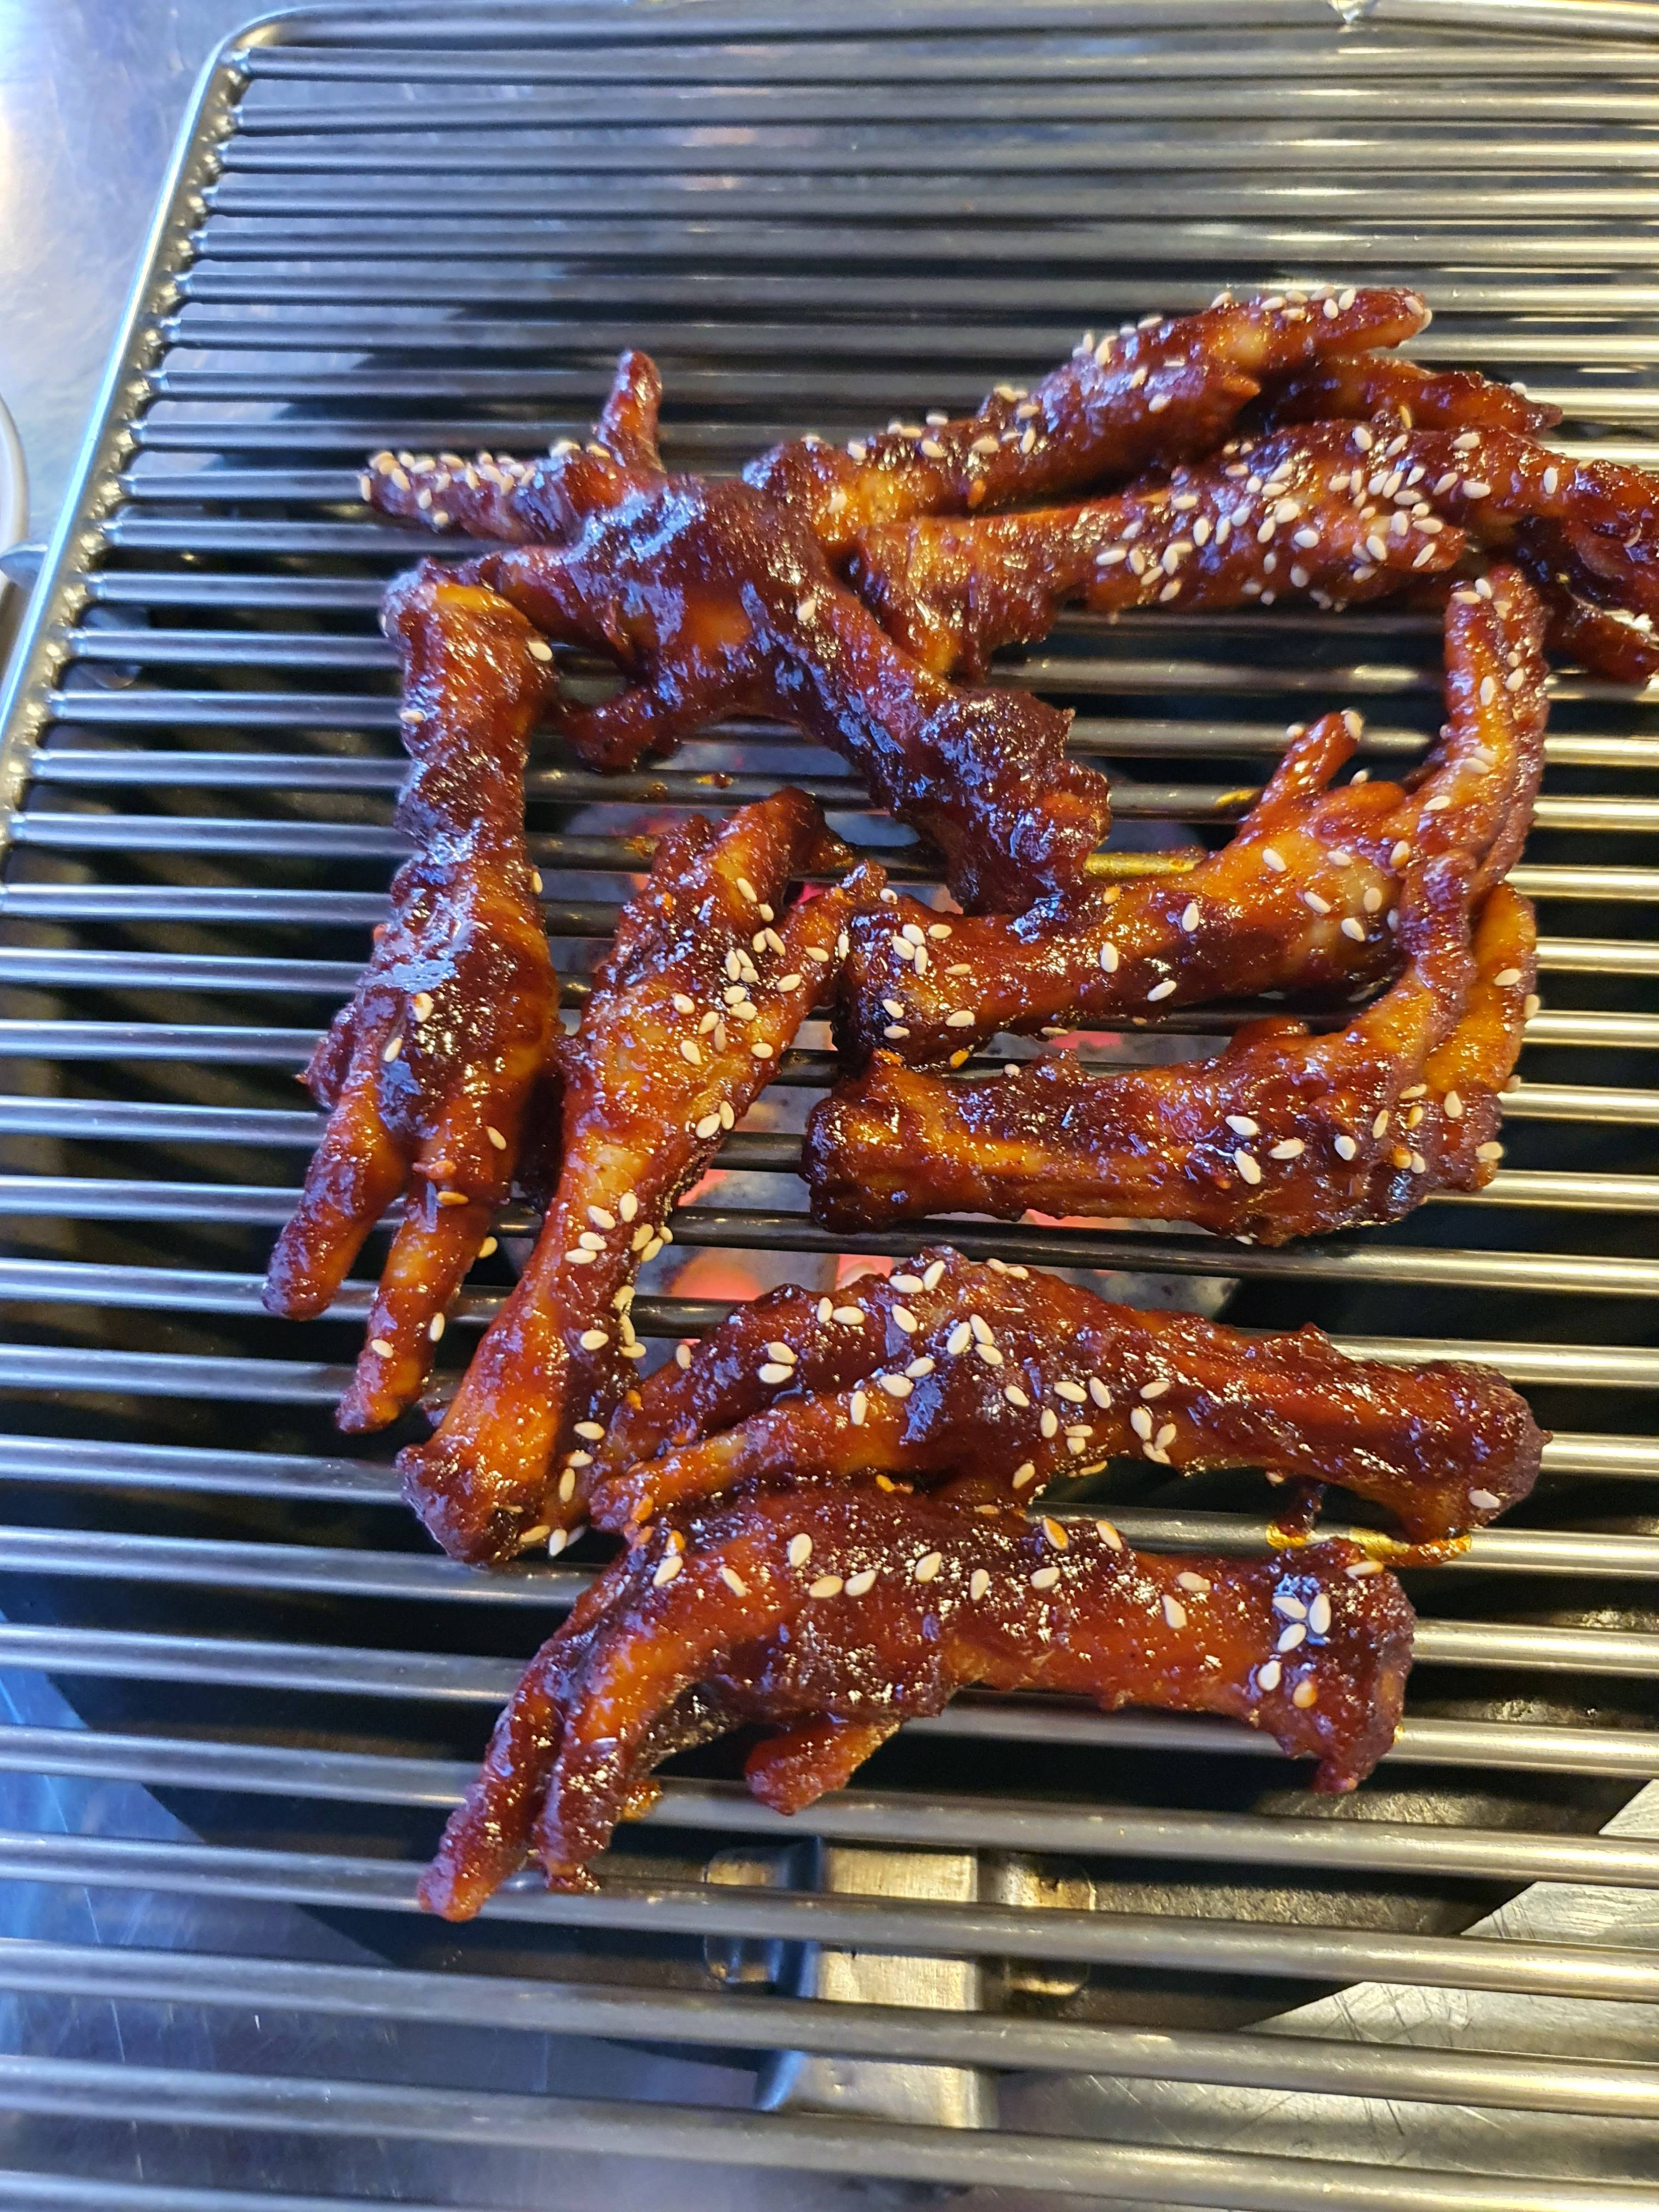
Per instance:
{"type": "Point", "coordinates": [895, 2089]}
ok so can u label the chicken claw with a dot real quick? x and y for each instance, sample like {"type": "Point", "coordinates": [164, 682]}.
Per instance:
{"type": "Point", "coordinates": [427, 1073]}
{"type": "Point", "coordinates": [831, 1617]}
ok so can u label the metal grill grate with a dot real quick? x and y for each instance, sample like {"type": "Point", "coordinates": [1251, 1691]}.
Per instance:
{"type": "Point", "coordinates": [390, 228]}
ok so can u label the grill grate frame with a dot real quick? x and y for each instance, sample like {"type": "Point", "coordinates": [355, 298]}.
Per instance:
{"type": "Point", "coordinates": [181, 900]}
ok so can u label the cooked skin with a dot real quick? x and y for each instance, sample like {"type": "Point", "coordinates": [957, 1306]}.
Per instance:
{"type": "Point", "coordinates": [1595, 519]}
{"type": "Point", "coordinates": [1298, 901]}
{"type": "Point", "coordinates": [1369, 387]}
{"type": "Point", "coordinates": [697, 1000]}
{"type": "Point", "coordinates": [713, 601]}
{"type": "Point", "coordinates": [1273, 518]}
{"type": "Point", "coordinates": [833, 1616]}
{"type": "Point", "coordinates": [993, 1380]}
{"type": "Point", "coordinates": [1283, 1134]}
{"type": "Point", "coordinates": [1606, 643]}
{"type": "Point", "coordinates": [428, 1073]}
{"type": "Point", "coordinates": [1154, 394]}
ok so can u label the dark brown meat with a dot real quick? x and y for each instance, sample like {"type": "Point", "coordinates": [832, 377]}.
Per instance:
{"type": "Point", "coordinates": [1374, 386]}
{"type": "Point", "coordinates": [993, 1380]}
{"type": "Point", "coordinates": [1156, 392]}
{"type": "Point", "coordinates": [697, 1000]}
{"type": "Point", "coordinates": [1278, 517]}
{"type": "Point", "coordinates": [1283, 1134]}
{"type": "Point", "coordinates": [713, 601]}
{"type": "Point", "coordinates": [833, 1616]}
{"type": "Point", "coordinates": [428, 1073]}
{"type": "Point", "coordinates": [1299, 901]}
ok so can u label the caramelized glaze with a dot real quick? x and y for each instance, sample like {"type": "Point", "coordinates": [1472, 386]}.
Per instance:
{"type": "Point", "coordinates": [697, 1000]}
{"type": "Point", "coordinates": [991, 1381]}
{"type": "Point", "coordinates": [832, 1616]}
{"type": "Point", "coordinates": [429, 1074]}
{"type": "Point", "coordinates": [1298, 902]}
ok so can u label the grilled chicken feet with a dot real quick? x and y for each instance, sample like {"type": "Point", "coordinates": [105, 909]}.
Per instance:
{"type": "Point", "coordinates": [832, 1616]}
{"type": "Point", "coordinates": [429, 1073]}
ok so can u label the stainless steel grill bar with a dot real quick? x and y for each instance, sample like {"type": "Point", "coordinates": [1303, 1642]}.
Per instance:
{"type": "Point", "coordinates": [100, 1198]}
{"type": "Point", "coordinates": [65, 1969]}
{"type": "Point", "coordinates": [338, 1571]}
{"type": "Point", "coordinates": [1276, 1950]}
{"type": "Point", "coordinates": [688, 57]}
{"type": "Point", "coordinates": [1062, 2165]}
{"type": "Point", "coordinates": [451, 148]}
{"type": "Point", "coordinates": [661, 107]}
{"type": "Point", "coordinates": [1129, 736]}
{"type": "Point", "coordinates": [143, 833]}
{"type": "Point", "coordinates": [734, 246]}
{"type": "Point", "coordinates": [283, 1474]}
{"type": "Point", "coordinates": [1630, 1753]}
{"type": "Point", "coordinates": [920, 1820]}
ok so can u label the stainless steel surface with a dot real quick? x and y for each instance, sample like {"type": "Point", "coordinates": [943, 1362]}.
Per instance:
{"type": "Point", "coordinates": [241, 1691]}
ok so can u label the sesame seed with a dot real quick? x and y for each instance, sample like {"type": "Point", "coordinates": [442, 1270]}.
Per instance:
{"type": "Point", "coordinates": [1045, 1578]}
{"type": "Point", "coordinates": [1361, 1568]}
{"type": "Point", "coordinates": [1319, 1614]}
{"type": "Point", "coordinates": [1345, 1148]}
{"type": "Point", "coordinates": [1507, 976]}
{"type": "Point", "coordinates": [858, 1406]}
{"type": "Point", "coordinates": [928, 1566]}
{"type": "Point", "coordinates": [383, 1345]}
{"type": "Point", "coordinates": [1162, 990]}
{"type": "Point", "coordinates": [978, 1582]}
{"type": "Point", "coordinates": [592, 1340]}
{"type": "Point", "coordinates": [896, 1386]}
{"type": "Point", "coordinates": [1174, 1613]}
{"type": "Point", "coordinates": [1295, 1634]}
{"type": "Point", "coordinates": [1248, 1167]}
{"type": "Point", "coordinates": [1489, 1151]}
{"type": "Point", "coordinates": [775, 1371]}
{"type": "Point", "coordinates": [628, 1206]}
{"type": "Point", "coordinates": [1141, 1422]}
{"type": "Point", "coordinates": [1016, 1396]}
{"type": "Point", "coordinates": [1072, 1392]}
{"type": "Point", "coordinates": [667, 1569]}
{"type": "Point", "coordinates": [959, 1339]}
{"type": "Point", "coordinates": [1454, 1106]}
{"type": "Point", "coordinates": [800, 1549]}
{"type": "Point", "coordinates": [1049, 1423]}
{"type": "Point", "coordinates": [989, 1355]}
{"type": "Point", "coordinates": [389, 1050]}
{"type": "Point", "coordinates": [1268, 1675]}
